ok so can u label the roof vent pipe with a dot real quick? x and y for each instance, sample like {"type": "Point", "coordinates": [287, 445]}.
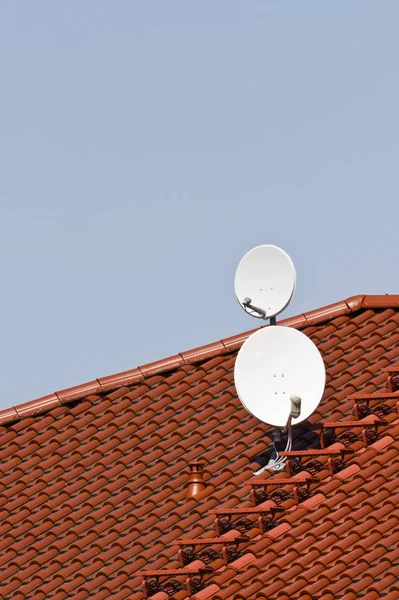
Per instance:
{"type": "Point", "coordinates": [196, 481]}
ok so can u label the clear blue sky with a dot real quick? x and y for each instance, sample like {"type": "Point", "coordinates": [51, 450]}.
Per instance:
{"type": "Point", "coordinates": [146, 146]}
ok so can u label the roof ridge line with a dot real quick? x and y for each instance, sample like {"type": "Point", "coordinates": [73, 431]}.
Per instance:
{"type": "Point", "coordinates": [225, 346]}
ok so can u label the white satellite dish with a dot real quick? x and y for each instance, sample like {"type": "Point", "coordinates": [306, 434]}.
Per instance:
{"type": "Point", "coordinates": [274, 364]}
{"type": "Point", "coordinates": [265, 281]}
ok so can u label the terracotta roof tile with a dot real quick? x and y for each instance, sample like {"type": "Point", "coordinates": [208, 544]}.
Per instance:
{"type": "Point", "coordinates": [93, 477]}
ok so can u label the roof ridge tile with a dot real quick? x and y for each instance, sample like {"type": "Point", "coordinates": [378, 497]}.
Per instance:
{"type": "Point", "coordinates": [326, 313]}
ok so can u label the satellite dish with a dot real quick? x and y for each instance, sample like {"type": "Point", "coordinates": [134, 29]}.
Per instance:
{"type": "Point", "coordinates": [265, 281]}
{"type": "Point", "coordinates": [274, 364]}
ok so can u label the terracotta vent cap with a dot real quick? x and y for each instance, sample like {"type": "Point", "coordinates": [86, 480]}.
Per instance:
{"type": "Point", "coordinates": [196, 483]}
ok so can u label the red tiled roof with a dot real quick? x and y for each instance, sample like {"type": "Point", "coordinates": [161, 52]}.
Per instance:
{"type": "Point", "coordinates": [93, 479]}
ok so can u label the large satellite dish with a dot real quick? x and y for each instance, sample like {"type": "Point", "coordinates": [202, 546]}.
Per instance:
{"type": "Point", "coordinates": [274, 364]}
{"type": "Point", "coordinates": [265, 281]}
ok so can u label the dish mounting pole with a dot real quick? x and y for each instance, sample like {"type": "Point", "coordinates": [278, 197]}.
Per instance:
{"type": "Point", "coordinates": [276, 435]}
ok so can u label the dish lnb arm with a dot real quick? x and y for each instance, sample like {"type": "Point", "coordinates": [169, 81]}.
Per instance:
{"type": "Point", "coordinates": [247, 304]}
{"type": "Point", "coordinates": [295, 406]}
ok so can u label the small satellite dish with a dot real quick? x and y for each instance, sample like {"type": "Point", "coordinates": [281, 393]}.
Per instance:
{"type": "Point", "coordinates": [265, 281]}
{"type": "Point", "coordinates": [274, 364]}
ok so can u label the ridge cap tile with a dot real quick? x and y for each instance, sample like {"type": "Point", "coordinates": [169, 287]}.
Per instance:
{"type": "Point", "coordinates": [36, 407]}
{"type": "Point", "coordinates": [355, 302]}
{"type": "Point", "coordinates": [297, 321]}
{"type": "Point", "coordinates": [78, 391]}
{"type": "Point", "coordinates": [381, 301]}
{"type": "Point", "coordinates": [8, 415]}
{"type": "Point", "coordinates": [121, 379]}
{"type": "Point", "coordinates": [326, 313]}
{"type": "Point", "coordinates": [234, 342]}
{"type": "Point", "coordinates": [203, 352]}
{"type": "Point", "coordinates": [162, 366]}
